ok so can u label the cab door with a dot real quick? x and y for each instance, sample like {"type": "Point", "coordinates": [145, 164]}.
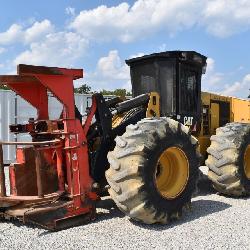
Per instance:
{"type": "Point", "coordinates": [214, 117]}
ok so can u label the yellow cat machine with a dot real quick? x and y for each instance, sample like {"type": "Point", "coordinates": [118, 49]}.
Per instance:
{"type": "Point", "coordinates": [146, 149]}
{"type": "Point", "coordinates": [221, 125]}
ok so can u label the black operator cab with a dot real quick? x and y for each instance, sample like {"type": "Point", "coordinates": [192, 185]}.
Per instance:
{"type": "Point", "coordinates": [176, 76]}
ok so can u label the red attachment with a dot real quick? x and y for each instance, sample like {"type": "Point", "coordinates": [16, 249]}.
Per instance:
{"type": "Point", "coordinates": [60, 173]}
{"type": "Point", "coordinates": [69, 158]}
{"type": "Point", "coordinates": [58, 80]}
{"type": "Point", "coordinates": [31, 90]}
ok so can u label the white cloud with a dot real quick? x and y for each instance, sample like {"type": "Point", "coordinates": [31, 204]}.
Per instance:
{"type": "Point", "coordinates": [70, 11]}
{"type": "Point", "coordinates": [217, 82]}
{"type": "Point", "coordinates": [239, 88]}
{"type": "Point", "coordinates": [111, 73]}
{"type": "Point", "coordinates": [140, 54]}
{"type": "Point", "coordinates": [127, 23]}
{"type": "Point", "coordinates": [111, 67]}
{"type": "Point", "coordinates": [212, 78]}
{"type": "Point", "coordinates": [17, 33]}
{"type": "Point", "coordinates": [37, 31]}
{"type": "Point", "coordinates": [12, 35]}
{"type": "Point", "coordinates": [56, 49]}
{"type": "Point", "coordinates": [224, 18]}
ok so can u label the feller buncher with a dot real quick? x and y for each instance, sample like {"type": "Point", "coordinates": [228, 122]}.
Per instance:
{"type": "Point", "coordinates": [147, 150]}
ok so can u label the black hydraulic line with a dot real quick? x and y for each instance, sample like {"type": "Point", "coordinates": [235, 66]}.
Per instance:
{"type": "Point", "coordinates": [132, 103]}
{"type": "Point", "coordinates": [112, 102]}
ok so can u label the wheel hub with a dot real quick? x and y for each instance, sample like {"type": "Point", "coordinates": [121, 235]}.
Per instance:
{"type": "Point", "coordinates": [172, 172]}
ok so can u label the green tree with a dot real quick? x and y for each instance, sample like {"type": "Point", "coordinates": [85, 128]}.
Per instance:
{"type": "Point", "coordinates": [116, 92]}
{"type": "Point", "coordinates": [106, 92]}
{"type": "Point", "coordinates": [84, 89]}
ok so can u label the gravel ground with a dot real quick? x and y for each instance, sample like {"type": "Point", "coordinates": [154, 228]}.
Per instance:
{"type": "Point", "coordinates": [215, 222]}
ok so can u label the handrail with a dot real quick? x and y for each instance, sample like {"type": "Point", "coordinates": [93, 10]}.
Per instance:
{"type": "Point", "coordinates": [30, 143]}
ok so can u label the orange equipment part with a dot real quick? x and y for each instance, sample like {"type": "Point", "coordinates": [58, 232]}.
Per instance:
{"type": "Point", "coordinates": [70, 155]}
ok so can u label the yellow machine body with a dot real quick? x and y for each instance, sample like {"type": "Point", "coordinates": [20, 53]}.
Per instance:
{"type": "Point", "coordinates": [217, 110]}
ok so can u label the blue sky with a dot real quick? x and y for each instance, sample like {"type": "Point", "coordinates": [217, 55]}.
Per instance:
{"type": "Point", "coordinates": [99, 35]}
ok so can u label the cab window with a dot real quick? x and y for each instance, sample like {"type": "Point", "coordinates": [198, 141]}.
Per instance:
{"type": "Point", "coordinates": [188, 91]}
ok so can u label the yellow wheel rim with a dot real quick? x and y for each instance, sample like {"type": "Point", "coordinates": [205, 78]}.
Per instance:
{"type": "Point", "coordinates": [172, 173]}
{"type": "Point", "coordinates": [247, 162]}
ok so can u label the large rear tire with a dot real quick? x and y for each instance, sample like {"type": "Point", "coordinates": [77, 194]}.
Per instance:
{"type": "Point", "coordinates": [153, 170]}
{"type": "Point", "coordinates": [229, 159]}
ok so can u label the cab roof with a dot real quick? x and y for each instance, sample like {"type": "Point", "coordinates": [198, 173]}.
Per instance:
{"type": "Point", "coordinates": [191, 56]}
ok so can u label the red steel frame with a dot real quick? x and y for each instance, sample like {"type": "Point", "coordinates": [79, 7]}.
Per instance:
{"type": "Point", "coordinates": [32, 83]}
